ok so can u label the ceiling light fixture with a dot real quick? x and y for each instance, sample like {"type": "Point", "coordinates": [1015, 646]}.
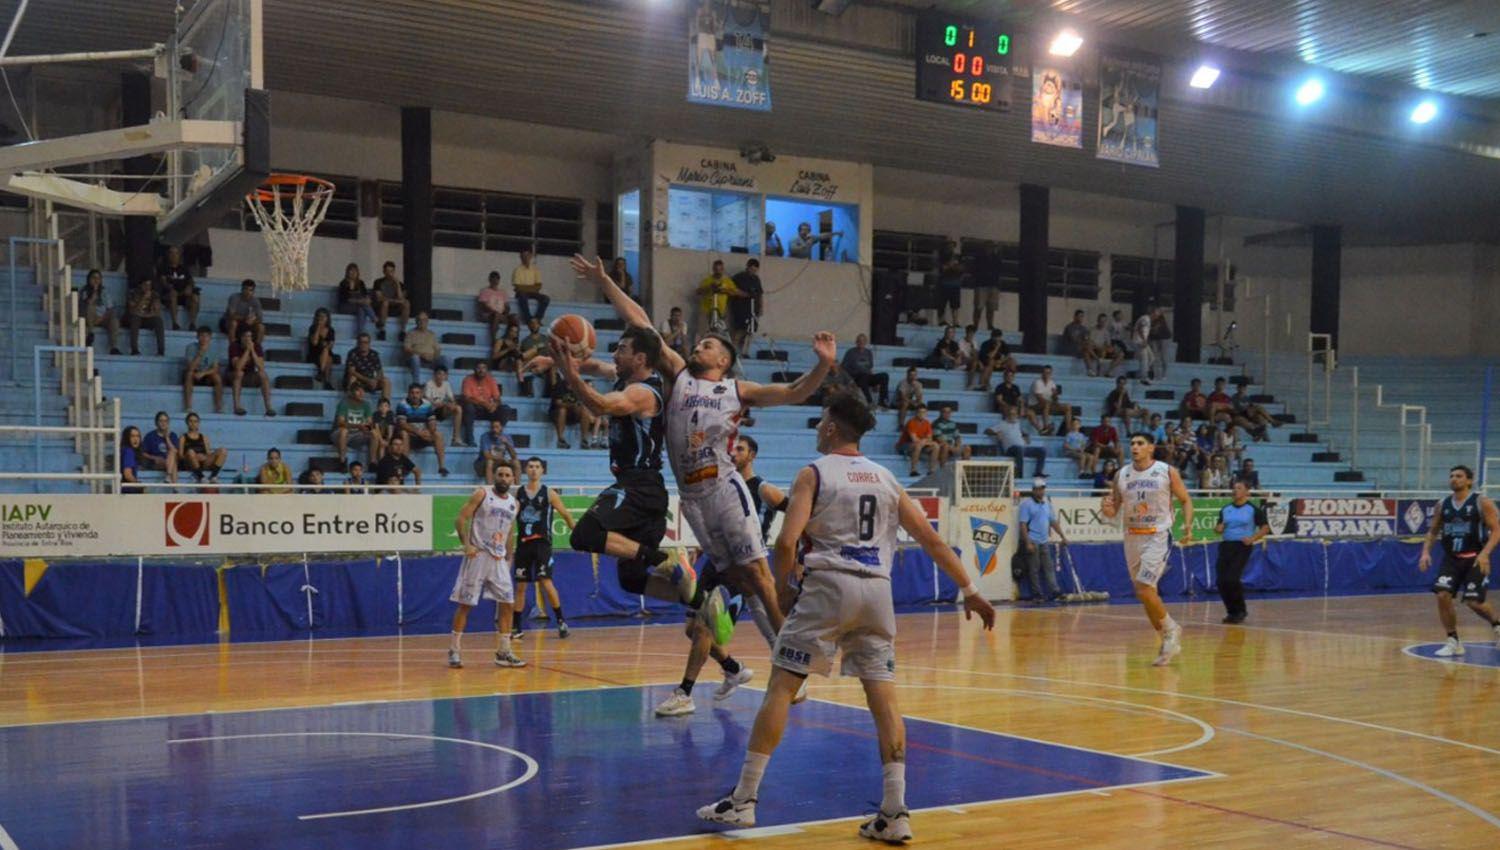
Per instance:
{"type": "Point", "coordinates": [1066, 43]}
{"type": "Point", "coordinates": [1424, 112]}
{"type": "Point", "coordinates": [1204, 77]}
{"type": "Point", "coordinates": [1310, 92]}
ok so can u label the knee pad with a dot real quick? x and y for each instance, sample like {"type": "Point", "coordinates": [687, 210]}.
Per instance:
{"type": "Point", "coordinates": [588, 535]}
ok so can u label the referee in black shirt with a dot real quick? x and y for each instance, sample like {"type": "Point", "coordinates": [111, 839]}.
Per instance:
{"type": "Point", "coordinates": [1242, 525]}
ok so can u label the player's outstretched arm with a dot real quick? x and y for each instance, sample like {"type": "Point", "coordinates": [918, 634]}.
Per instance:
{"type": "Point", "coordinates": [800, 390]}
{"type": "Point", "coordinates": [625, 307]}
{"type": "Point", "coordinates": [915, 523]}
{"type": "Point", "coordinates": [1179, 490]}
{"type": "Point", "coordinates": [593, 367]}
{"type": "Point", "coordinates": [634, 400]}
{"type": "Point", "coordinates": [799, 508]}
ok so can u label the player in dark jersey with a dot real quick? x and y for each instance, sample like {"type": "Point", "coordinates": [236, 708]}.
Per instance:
{"type": "Point", "coordinates": [533, 559]}
{"type": "Point", "coordinates": [1469, 526]}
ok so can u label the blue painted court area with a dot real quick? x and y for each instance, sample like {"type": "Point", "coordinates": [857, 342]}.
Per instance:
{"type": "Point", "coordinates": [1476, 653]}
{"type": "Point", "coordinates": [539, 771]}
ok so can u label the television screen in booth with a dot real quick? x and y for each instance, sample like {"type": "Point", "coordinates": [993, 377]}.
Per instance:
{"type": "Point", "coordinates": [964, 63]}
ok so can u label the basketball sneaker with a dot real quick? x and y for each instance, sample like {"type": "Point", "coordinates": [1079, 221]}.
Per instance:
{"type": "Point", "coordinates": [676, 705]}
{"type": "Point", "coordinates": [731, 682]}
{"type": "Point", "coordinates": [714, 613]}
{"type": "Point", "coordinates": [680, 574]}
{"type": "Point", "coordinates": [516, 633]}
{"type": "Point", "coordinates": [1496, 629]}
{"type": "Point", "coordinates": [1451, 649]}
{"type": "Point", "coordinates": [562, 629]}
{"type": "Point", "coordinates": [892, 829]}
{"type": "Point", "coordinates": [730, 811]}
{"type": "Point", "coordinates": [454, 660]}
{"type": "Point", "coordinates": [508, 659]}
{"type": "Point", "coordinates": [1171, 646]}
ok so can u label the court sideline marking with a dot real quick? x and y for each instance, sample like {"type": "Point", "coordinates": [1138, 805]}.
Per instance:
{"type": "Point", "coordinates": [5, 841]}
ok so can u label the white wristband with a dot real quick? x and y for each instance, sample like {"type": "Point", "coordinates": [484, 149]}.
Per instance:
{"type": "Point", "coordinates": [969, 590]}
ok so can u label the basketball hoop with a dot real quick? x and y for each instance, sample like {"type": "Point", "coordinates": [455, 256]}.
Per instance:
{"type": "Point", "coordinates": [288, 208]}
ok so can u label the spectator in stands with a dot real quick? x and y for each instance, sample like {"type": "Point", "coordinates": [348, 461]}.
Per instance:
{"type": "Point", "coordinates": [1194, 402]}
{"type": "Point", "coordinates": [496, 449]}
{"type": "Point", "coordinates": [945, 353]}
{"type": "Point", "coordinates": [354, 298]}
{"type": "Point", "coordinates": [130, 465]}
{"type": "Point", "coordinates": [247, 365]}
{"type": "Point", "coordinates": [1008, 394]}
{"type": "Point", "coordinates": [859, 364]}
{"type": "Point", "coordinates": [1250, 416]}
{"type": "Point", "coordinates": [532, 346]}
{"type": "Point", "coordinates": [1140, 342]}
{"type": "Point", "coordinates": [144, 310]}
{"type": "Point", "coordinates": [355, 484]}
{"type": "Point", "coordinates": [1228, 444]}
{"type": "Point", "coordinates": [1161, 436]}
{"type": "Point", "coordinates": [200, 368]}
{"type": "Point", "coordinates": [159, 447]}
{"type": "Point", "coordinates": [986, 284]}
{"type": "Point", "coordinates": [1104, 440]}
{"type": "Point", "coordinates": [382, 429]}
{"type": "Point", "coordinates": [1118, 405]}
{"type": "Point", "coordinates": [1214, 476]}
{"type": "Point", "coordinates": [802, 246]}
{"type": "Point", "coordinates": [968, 349]}
{"type": "Point", "coordinates": [1037, 521]}
{"type": "Point", "coordinates": [916, 439]}
{"type": "Point", "coordinates": [1185, 446]}
{"type": "Point", "coordinates": [1161, 333]}
{"type": "Point", "coordinates": [993, 354]}
{"type": "Point", "coordinates": [714, 292]}
{"type": "Point", "coordinates": [479, 397]}
{"type": "Point", "coordinates": [362, 366]}
{"type": "Point", "coordinates": [310, 482]}
{"type": "Point", "coordinates": [395, 465]}
{"type": "Point", "coordinates": [1075, 341]}
{"type": "Point", "coordinates": [389, 295]}
{"type": "Point", "coordinates": [908, 395]}
{"type": "Point", "coordinates": [97, 310]}
{"type": "Point", "coordinates": [620, 274]}
{"type": "Point", "coordinates": [1206, 443]}
{"type": "Point", "coordinates": [1104, 477]}
{"type": "Point", "coordinates": [836, 381]}
{"type": "Point", "coordinates": [1016, 445]}
{"type": "Point", "coordinates": [197, 454]}
{"type": "Point", "coordinates": [675, 332]}
{"type": "Point", "coordinates": [1076, 446]}
{"type": "Point", "coordinates": [1119, 333]}
{"type": "Point", "coordinates": [1220, 405]}
{"type": "Point", "coordinates": [491, 306]}
{"type": "Point", "coordinates": [565, 409]}
{"type": "Point", "coordinates": [745, 307]}
{"type": "Point", "coordinates": [175, 286]}
{"type": "Point", "coordinates": [526, 282]}
{"type": "Point", "coordinates": [1101, 347]}
{"type": "Point", "coordinates": [950, 442]}
{"type": "Point", "coordinates": [354, 425]}
{"type": "Point", "coordinates": [505, 351]}
{"type": "Point", "coordinates": [274, 475]}
{"type": "Point", "coordinates": [439, 393]}
{"type": "Point", "coordinates": [422, 348]}
{"type": "Point", "coordinates": [773, 241]}
{"type": "Point", "coordinates": [1248, 474]}
{"type": "Point", "coordinates": [950, 282]}
{"type": "Point", "coordinates": [1045, 400]}
{"type": "Point", "coordinates": [417, 421]}
{"type": "Point", "coordinates": [243, 311]}
{"type": "Point", "coordinates": [320, 339]}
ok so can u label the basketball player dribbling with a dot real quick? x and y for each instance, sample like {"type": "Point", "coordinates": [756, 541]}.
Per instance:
{"type": "Point", "coordinates": [1470, 528]}
{"type": "Point", "coordinates": [486, 525]}
{"type": "Point", "coordinates": [1144, 489]}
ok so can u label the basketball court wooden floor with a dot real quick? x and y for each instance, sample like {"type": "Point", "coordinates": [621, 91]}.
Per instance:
{"type": "Point", "coordinates": [1322, 723]}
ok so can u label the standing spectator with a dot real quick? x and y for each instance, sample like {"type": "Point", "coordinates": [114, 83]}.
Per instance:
{"type": "Point", "coordinates": [532, 347]}
{"type": "Point", "coordinates": [354, 425]}
{"type": "Point", "coordinates": [496, 449]}
{"type": "Point", "coordinates": [1075, 341]}
{"type": "Point", "coordinates": [945, 353]}
{"type": "Point", "coordinates": [1248, 474]}
{"type": "Point", "coordinates": [746, 307]}
{"type": "Point", "coordinates": [859, 364]}
{"type": "Point", "coordinates": [310, 482]}
{"type": "Point", "coordinates": [175, 286]}
{"type": "Point", "coordinates": [417, 421]}
{"type": "Point", "coordinates": [1220, 405]}
{"type": "Point", "coordinates": [950, 442]}
{"type": "Point", "coordinates": [1016, 445]}
{"type": "Point", "coordinates": [1119, 333]}
{"type": "Point", "coordinates": [802, 246]}
{"type": "Point", "coordinates": [320, 339]}
{"type": "Point", "coordinates": [774, 247]}
{"type": "Point", "coordinates": [1118, 405]}
{"type": "Point", "coordinates": [130, 465]}
{"type": "Point", "coordinates": [492, 307]}
{"type": "Point", "coordinates": [159, 448]}
{"type": "Point", "coordinates": [243, 311]}
{"type": "Point", "coordinates": [1242, 525]}
{"type": "Point", "coordinates": [675, 332]}
{"type": "Point", "coordinates": [389, 295]}
{"type": "Point", "coordinates": [505, 353]}
{"type": "Point", "coordinates": [1038, 520]}
{"type": "Point", "coordinates": [1008, 395]}
{"type": "Point", "coordinates": [422, 348]}
{"type": "Point", "coordinates": [247, 365]}
{"type": "Point", "coordinates": [439, 393]}
{"type": "Point", "coordinates": [1100, 347]}
{"type": "Point", "coordinates": [274, 475]}
{"type": "Point", "coordinates": [1140, 340]}
{"type": "Point", "coordinates": [395, 465]}
{"type": "Point", "coordinates": [526, 282]}
{"type": "Point", "coordinates": [565, 409]}
{"type": "Point", "coordinates": [362, 366]}
{"type": "Point", "coordinates": [200, 368]}
{"type": "Point", "coordinates": [1194, 402]}
{"type": "Point", "coordinates": [908, 395]}
{"type": "Point", "coordinates": [144, 309]}
{"type": "Point", "coordinates": [1104, 440]}
{"type": "Point", "coordinates": [950, 282]}
{"type": "Point", "coordinates": [479, 398]}
{"type": "Point", "coordinates": [355, 484]}
{"type": "Point", "coordinates": [986, 283]}
{"type": "Point", "coordinates": [1161, 333]}
{"type": "Point", "coordinates": [196, 453]}
{"type": "Point", "coordinates": [97, 310]}
{"type": "Point", "coordinates": [1045, 400]}
{"type": "Point", "coordinates": [714, 292]}
{"type": "Point", "coordinates": [620, 274]}
{"type": "Point", "coordinates": [993, 354]}
{"type": "Point", "coordinates": [1076, 446]}
{"type": "Point", "coordinates": [916, 438]}
{"type": "Point", "coordinates": [354, 297]}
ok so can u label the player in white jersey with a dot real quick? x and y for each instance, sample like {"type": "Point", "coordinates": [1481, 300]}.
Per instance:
{"type": "Point", "coordinates": [1143, 491]}
{"type": "Point", "coordinates": [486, 525]}
{"type": "Point", "coordinates": [703, 409]}
{"type": "Point", "coordinates": [846, 509]}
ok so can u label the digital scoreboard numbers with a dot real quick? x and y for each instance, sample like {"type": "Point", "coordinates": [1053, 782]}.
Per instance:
{"type": "Point", "coordinates": [964, 63]}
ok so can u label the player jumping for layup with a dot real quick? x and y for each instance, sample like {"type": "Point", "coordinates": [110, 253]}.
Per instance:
{"type": "Point", "coordinates": [847, 509]}
{"type": "Point", "coordinates": [485, 525]}
{"type": "Point", "coordinates": [1144, 490]}
{"type": "Point", "coordinates": [1470, 528]}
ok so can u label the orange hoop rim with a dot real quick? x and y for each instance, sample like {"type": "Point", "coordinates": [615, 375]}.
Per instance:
{"type": "Point", "coordinates": [266, 191]}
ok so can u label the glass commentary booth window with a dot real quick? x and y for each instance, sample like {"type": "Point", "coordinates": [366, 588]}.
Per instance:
{"type": "Point", "coordinates": [705, 220]}
{"type": "Point", "coordinates": [812, 230]}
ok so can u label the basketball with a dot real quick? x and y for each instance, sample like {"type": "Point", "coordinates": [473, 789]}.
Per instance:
{"type": "Point", "coordinates": [576, 332]}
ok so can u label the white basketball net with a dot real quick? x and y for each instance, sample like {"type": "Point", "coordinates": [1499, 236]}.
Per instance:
{"type": "Point", "coordinates": [288, 210]}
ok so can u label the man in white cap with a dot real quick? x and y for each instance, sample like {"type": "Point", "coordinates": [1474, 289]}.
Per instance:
{"type": "Point", "coordinates": [1038, 518]}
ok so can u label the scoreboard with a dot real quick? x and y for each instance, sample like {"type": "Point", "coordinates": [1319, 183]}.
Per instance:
{"type": "Point", "coordinates": [964, 63]}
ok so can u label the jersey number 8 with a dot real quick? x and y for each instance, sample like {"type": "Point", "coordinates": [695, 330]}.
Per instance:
{"type": "Point", "coordinates": [866, 517]}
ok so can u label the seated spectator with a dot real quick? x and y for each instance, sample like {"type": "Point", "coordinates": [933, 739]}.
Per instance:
{"type": "Point", "coordinates": [1250, 416]}
{"type": "Point", "coordinates": [836, 381]}
{"type": "Point", "coordinates": [196, 453]}
{"type": "Point", "coordinates": [274, 474]}
{"type": "Point", "coordinates": [354, 425]}
{"type": "Point", "coordinates": [908, 395]}
{"type": "Point", "coordinates": [389, 295]}
{"type": "Point", "coordinates": [916, 439]}
{"type": "Point", "coordinates": [1016, 445]}
{"type": "Point", "coordinates": [1228, 444]}
{"type": "Point", "coordinates": [1104, 441]}
{"type": "Point", "coordinates": [243, 311]}
{"type": "Point", "coordinates": [1106, 476]}
{"type": "Point", "coordinates": [1075, 340]}
{"type": "Point", "coordinates": [394, 466]}
{"type": "Point", "coordinates": [480, 398]}
{"type": "Point", "coordinates": [968, 349]}
{"type": "Point", "coordinates": [143, 309]}
{"type": "Point", "coordinates": [993, 354]}
{"type": "Point", "coordinates": [945, 354]}
{"type": "Point", "coordinates": [1008, 394]}
{"type": "Point", "coordinates": [1220, 405]}
{"type": "Point", "coordinates": [417, 421]}
{"type": "Point", "coordinates": [97, 310]}
{"type": "Point", "coordinates": [495, 449]}
{"type": "Point", "coordinates": [621, 276]}
{"type": "Point", "coordinates": [859, 365]}
{"type": "Point", "coordinates": [675, 332]}
{"type": "Point", "coordinates": [492, 307]}
{"type": "Point", "coordinates": [946, 434]}
{"type": "Point", "coordinates": [526, 283]}
{"type": "Point", "coordinates": [355, 298]}
{"type": "Point", "coordinates": [130, 465]}
{"type": "Point", "coordinates": [422, 348]}
{"type": "Point", "coordinates": [1194, 402]}
{"type": "Point", "coordinates": [439, 394]}
{"type": "Point", "coordinates": [1161, 436]}
{"type": "Point", "coordinates": [382, 429]}
{"type": "Point", "coordinates": [1185, 452]}
{"type": "Point", "coordinates": [1118, 405]}
{"type": "Point", "coordinates": [362, 367]}
{"type": "Point", "coordinates": [745, 306]}
{"type": "Point", "coordinates": [175, 286]}
{"type": "Point", "coordinates": [200, 368]}
{"type": "Point", "coordinates": [159, 448]}
{"type": "Point", "coordinates": [714, 292]}
{"type": "Point", "coordinates": [1207, 445]}
{"type": "Point", "coordinates": [247, 365]}
{"type": "Point", "coordinates": [1100, 347]}
{"type": "Point", "coordinates": [1045, 400]}
{"type": "Point", "coordinates": [355, 484]}
{"type": "Point", "coordinates": [1215, 476]}
{"type": "Point", "coordinates": [534, 345]}
{"type": "Point", "coordinates": [310, 482]}
{"type": "Point", "coordinates": [505, 353]}
{"type": "Point", "coordinates": [1248, 474]}
{"type": "Point", "coordinates": [565, 409]}
{"type": "Point", "coordinates": [1076, 446]}
{"type": "Point", "coordinates": [320, 339]}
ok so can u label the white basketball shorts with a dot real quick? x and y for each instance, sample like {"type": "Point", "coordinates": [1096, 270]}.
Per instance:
{"type": "Point", "coordinates": [838, 612]}
{"type": "Point", "coordinates": [483, 576]}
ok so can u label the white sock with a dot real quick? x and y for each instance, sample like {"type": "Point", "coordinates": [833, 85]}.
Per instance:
{"type": "Point", "coordinates": [1168, 624]}
{"type": "Point", "coordinates": [453, 639]}
{"type": "Point", "coordinates": [505, 643]}
{"type": "Point", "coordinates": [750, 774]}
{"type": "Point", "coordinates": [893, 779]}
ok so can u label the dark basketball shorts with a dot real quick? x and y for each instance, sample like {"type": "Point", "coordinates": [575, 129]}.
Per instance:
{"type": "Point", "coordinates": [635, 506]}
{"type": "Point", "coordinates": [1460, 577]}
{"type": "Point", "coordinates": [533, 561]}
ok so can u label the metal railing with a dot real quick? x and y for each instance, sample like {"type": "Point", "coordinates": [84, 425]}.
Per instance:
{"type": "Point", "coordinates": [1320, 348]}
